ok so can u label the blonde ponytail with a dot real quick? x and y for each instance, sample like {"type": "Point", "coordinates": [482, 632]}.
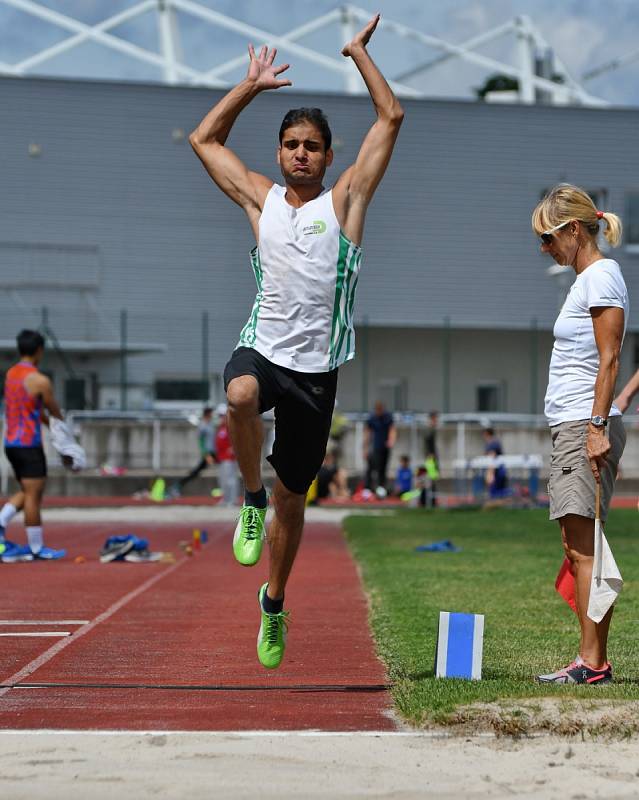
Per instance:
{"type": "Point", "coordinates": [613, 228]}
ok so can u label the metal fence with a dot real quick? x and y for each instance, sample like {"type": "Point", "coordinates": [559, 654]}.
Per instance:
{"type": "Point", "coordinates": [156, 441]}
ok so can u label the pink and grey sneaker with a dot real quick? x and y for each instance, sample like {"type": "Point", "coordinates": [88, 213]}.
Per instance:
{"type": "Point", "coordinates": [578, 672]}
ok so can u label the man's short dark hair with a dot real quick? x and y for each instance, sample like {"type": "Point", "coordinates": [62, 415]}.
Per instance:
{"type": "Point", "coordinates": [29, 342]}
{"type": "Point", "coordinates": [207, 411]}
{"type": "Point", "coordinates": [489, 431]}
{"type": "Point", "coordinates": [313, 115]}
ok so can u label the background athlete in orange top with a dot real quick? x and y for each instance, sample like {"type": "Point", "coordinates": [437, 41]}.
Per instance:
{"type": "Point", "coordinates": [28, 402]}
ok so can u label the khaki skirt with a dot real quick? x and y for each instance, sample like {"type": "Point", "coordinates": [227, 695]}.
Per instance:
{"type": "Point", "coordinates": [571, 486]}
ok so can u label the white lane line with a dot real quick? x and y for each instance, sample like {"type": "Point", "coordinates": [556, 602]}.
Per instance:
{"type": "Point", "coordinates": [42, 659]}
{"type": "Point", "coordinates": [44, 621]}
{"type": "Point", "coordinates": [37, 633]}
{"type": "Point", "coordinates": [303, 734]}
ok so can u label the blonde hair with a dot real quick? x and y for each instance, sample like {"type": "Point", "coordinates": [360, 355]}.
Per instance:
{"type": "Point", "coordinates": [565, 203]}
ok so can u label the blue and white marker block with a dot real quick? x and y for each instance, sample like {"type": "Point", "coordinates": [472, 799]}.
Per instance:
{"type": "Point", "coordinates": [460, 645]}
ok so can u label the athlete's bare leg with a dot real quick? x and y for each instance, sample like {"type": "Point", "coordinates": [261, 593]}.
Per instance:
{"type": "Point", "coordinates": [246, 429]}
{"type": "Point", "coordinates": [17, 500]}
{"type": "Point", "coordinates": [33, 489]}
{"type": "Point", "coordinates": [284, 536]}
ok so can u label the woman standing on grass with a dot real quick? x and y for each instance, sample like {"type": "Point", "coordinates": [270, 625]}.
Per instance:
{"type": "Point", "coordinates": [588, 436]}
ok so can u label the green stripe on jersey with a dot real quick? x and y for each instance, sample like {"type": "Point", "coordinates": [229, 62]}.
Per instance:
{"type": "Point", "coordinates": [247, 336]}
{"type": "Point", "coordinates": [342, 334]}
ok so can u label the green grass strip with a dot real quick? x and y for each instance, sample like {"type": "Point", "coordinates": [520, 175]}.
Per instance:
{"type": "Point", "coordinates": [506, 570]}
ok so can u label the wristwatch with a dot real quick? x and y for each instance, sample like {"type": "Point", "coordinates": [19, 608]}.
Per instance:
{"type": "Point", "coordinates": [598, 421]}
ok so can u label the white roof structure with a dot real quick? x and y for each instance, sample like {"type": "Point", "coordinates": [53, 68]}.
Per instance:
{"type": "Point", "coordinates": [532, 50]}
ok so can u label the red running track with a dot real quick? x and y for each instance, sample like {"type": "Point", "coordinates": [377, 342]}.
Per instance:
{"type": "Point", "coordinates": [172, 646]}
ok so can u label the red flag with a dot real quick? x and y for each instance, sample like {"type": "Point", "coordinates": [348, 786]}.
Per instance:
{"type": "Point", "coordinates": [565, 584]}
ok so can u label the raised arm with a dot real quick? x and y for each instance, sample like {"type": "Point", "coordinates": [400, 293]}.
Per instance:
{"type": "Point", "coordinates": [247, 189]}
{"type": "Point", "coordinates": [356, 186]}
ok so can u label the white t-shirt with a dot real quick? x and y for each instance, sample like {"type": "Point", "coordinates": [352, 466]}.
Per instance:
{"type": "Point", "coordinates": [306, 271]}
{"type": "Point", "coordinates": [575, 359]}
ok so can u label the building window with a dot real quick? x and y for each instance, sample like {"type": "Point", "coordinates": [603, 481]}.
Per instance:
{"type": "Point", "coordinates": [75, 394]}
{"type": "Point", "coordinates": [490, 396]}
{"type": "Point", "coordinates": [180, 389]}
{"type": "Point", "coordinates": [632, 219]}
{"type": "Point", "coordinates": [393, 393]}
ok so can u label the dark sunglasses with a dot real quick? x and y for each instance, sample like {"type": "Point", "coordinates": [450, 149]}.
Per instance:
{"type": "Point", "coordinates": [546, 236]}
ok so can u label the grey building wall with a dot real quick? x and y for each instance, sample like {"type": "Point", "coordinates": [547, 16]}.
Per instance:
{"type": "Point", "coordinates": [407, 369]}
{"type": "Point", "coordinates": [140, 226]}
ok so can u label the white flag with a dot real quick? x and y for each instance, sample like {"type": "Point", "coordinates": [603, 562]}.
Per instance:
{"type": "Point", "coordinates": [606, 578]}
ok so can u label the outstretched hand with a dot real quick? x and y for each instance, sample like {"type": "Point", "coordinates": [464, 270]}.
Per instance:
{"type": "Point", "coordinates": [262, 71]}
{"type": "Point", "coordinates": [362, 38]}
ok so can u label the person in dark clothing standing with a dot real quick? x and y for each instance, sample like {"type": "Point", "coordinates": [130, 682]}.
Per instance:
{"type": "Point", "coordinates": [430, 439]}
{"type": "Point", "coordinates": [379, 438]}
{"type": "Point", "coordinates": [428, 496]}
{"type": "Point", "coordinates": [492, 443]}
{"type": "Point", "coordinates": [206, 443]}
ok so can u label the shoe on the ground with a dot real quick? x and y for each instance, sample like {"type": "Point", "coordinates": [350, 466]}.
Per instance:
{"type": "Point", "coordinates": [249, 535]}
{"type": "Point", "coordinates": [116, 547]}
{"type": "Point", "coordinates": [142, 556]}
{"type": "Point", "coordinates": [49, 554]}
{"type": "Point", "coordinates": [271, 640]}
{"type": "Point", "coordinates": [15, 553]}
{"type": "Point", "coordinates": [578, 672]}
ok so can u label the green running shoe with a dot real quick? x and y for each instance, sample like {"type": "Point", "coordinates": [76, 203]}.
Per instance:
{"type": "Point", "coordinates": [249, 536]}
{"type": "Point", "coordinates": [271, 640]}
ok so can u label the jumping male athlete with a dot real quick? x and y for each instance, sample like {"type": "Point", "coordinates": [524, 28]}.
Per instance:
{"type": "Point", "coordinates": [300, 329]}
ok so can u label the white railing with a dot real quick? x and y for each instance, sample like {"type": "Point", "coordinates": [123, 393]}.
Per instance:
{"type": "Point", "coordinates": [167, 440]}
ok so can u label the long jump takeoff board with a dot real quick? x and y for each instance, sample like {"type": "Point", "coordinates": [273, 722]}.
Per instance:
{"type": "Point", "coordinates": [460, 644]}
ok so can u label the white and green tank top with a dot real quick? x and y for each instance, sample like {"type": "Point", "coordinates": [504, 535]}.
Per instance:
{"type": "Point", "coordinates": [306, 272]}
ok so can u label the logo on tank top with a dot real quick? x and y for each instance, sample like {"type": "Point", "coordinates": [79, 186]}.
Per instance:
{"type": "Point", "coordinates": [318, 226]}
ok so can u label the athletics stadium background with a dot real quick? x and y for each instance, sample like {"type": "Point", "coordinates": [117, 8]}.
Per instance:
{"type": "Point", "coordinates": [115, 241]}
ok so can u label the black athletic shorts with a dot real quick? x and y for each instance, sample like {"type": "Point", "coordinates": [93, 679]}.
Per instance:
{"type": "Point", "coordinates": [27, 462]}
{"type": "Point", "coordinates": [303, 404]}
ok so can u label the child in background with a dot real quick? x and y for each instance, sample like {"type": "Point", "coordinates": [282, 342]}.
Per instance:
{"type": "Point", "coordinates": [404, 477]}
